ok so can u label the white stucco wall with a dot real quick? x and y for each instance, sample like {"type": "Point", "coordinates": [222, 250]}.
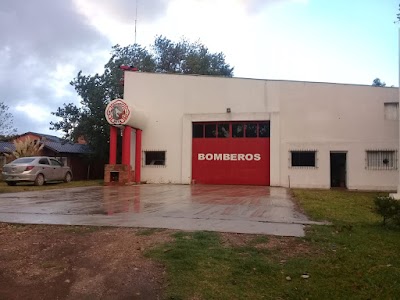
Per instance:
{"type": "Point", "coordinates": [173, 102]}
{"type": "Point", "coordinates": [336, 117]}
{"type": "Point", "coordinates": [320, 116]}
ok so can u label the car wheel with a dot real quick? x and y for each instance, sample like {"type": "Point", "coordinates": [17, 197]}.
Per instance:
{"type": "Point", "coordinates": [11, 183]}
{"type": "Point", "coordinates": [39, 180]}
{"type": "Point", "coordinates": [68, 177]}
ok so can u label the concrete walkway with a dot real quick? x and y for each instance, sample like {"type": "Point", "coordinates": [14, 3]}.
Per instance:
{"type": "Point", "coordinates": [240, 209]}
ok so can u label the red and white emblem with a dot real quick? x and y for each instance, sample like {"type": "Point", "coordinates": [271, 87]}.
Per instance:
{"type": "Point", "coordinates": [117, 112]}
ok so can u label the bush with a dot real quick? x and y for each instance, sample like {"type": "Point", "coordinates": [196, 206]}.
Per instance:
{"type": "Point", "coordinates": [388, 208]}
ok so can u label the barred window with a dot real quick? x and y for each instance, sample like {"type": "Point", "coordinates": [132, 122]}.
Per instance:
{"type": "Point", "coordinates": [303, 158]}
{"type": "Point", "coordinates": [381, 160]}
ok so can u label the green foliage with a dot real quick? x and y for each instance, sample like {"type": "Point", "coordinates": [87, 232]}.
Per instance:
{"type": "Point", "coordinates": [188, 58]}
{"type": "Point", "coordinates": [29, 186]}
{"type": "Point", "coordinates": [388, 208]}
{"type": "Point", "coordinates": [351, 259]}
{"type": "Point", "coordinates": [96, 91]}
{"type": "Point", "coordinates": [378, 82]}
{"type": "Point", "coordinates": [6, 122]}
{"type": "Point", "coordinates": [398, 15]}
{"type": "Point", "coordinates": [342, 207]}
{"type": "Point", "coordinates": [200, 267]}
{"type": "Point", "coordinates": [71, 118]}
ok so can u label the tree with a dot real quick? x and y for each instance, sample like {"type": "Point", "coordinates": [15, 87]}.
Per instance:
{"type": "Point", "coordinates": [96, 91]}
{"type": "Point", "coordinates": [6, 121]}
{"type": "Point", "coordinates": [378, 82]}
{"type": "Point", "coordinates": [188, 58]}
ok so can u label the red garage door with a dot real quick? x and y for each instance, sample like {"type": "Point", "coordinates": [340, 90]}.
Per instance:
{"type": "Point", "coordinates": [231, 153]}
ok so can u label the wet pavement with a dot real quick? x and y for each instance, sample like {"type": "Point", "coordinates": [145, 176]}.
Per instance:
{"type": "Point", "coordinates": [240, 209]}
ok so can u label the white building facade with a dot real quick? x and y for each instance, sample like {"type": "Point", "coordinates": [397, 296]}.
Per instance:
{"type": "Point", "coordinates": [202, 129]}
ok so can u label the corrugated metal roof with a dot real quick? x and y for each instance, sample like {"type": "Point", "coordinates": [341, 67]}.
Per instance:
{"type": "Point", "coordinates": [60, 147]}
{"type": "Point", "coordinates": [67, 147]}
{"type": "Point", "coordinates": [48, 137]}
{"type": "Point", "coordinates": [6, 147]}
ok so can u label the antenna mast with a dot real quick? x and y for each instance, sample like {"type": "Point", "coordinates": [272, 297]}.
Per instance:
{"type": "Point", "coordinates": [135, 21]}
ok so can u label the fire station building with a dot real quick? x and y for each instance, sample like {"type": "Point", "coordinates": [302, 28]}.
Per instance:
{"type": "Point", "coordinates": [187, 129]}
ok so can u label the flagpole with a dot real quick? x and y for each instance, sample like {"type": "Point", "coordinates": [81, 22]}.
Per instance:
{"type": "Point", "coordinates": [135, 21]}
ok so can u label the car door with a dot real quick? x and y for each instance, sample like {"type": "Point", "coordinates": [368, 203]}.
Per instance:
{"type": "Point", "coordinates": [45, 168]}
{"type": "Point", "coordinates": [57, 169]}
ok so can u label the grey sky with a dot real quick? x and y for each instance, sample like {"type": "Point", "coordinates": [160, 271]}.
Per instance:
{"type": "Point", "coordinates": [35, 38]}
{"type": "Point", "coordinates": [124, 10]}
{"type": "Point", "coordinates": [44, 43]}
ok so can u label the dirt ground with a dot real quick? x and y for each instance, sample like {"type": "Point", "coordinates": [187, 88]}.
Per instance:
{"type": "Point", "coordinates": [76, 262]}
{"type": "Point", "coordinates": [70, 262]}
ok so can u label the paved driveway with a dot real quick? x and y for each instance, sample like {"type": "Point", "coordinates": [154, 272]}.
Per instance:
{"type": "Point", "coordinates": [241, 209]}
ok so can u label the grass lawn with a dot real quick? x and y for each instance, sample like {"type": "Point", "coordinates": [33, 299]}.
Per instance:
{"type": "Point", "coordinates": [354, 258]}
{"type": "Point", "coordinates": [25, 187]}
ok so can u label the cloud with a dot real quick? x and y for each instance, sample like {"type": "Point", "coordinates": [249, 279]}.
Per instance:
{"type": "Point", "coordinates": [116, 18]}
{"type": "Point", "coordinates": [40, 38]}
{"type": "Point", "coordinates": [256, 6]}
{"type": "Point", "coordinates": [124, 10]}
{"type": "Point", "coordinates": [44, 43]}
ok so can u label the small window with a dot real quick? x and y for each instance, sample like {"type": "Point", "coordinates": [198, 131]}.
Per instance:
{"type": "Point", "coordinates": [263, 130]}
{"type": "Point", "coordinates": [25, 160]}
{"type": "Point", "coordinates": [382, 160]}
{"type": "Point", "coordinates": [154, 158]}
{"type": "Point", "coordinates": [63, 160]}
{"type": "Point", "coordinates": [43, 161]}
{"type": "Point", "coordinates": [198, 130]}
{"type": "Point", "coordinates": [303, 158]}
{"type": "Point", "coordinates": [237, 130]}
{"type": "Point", "coordinates": [392, 111]}
{"type": "Point", "coordinates": [211, 130]}
{"type": "Point", "coordinates": [55, 162]}
{"type": "Point", "coordinates": [251, 130]}
{"type": "Point", "coordinates": [223, 130]}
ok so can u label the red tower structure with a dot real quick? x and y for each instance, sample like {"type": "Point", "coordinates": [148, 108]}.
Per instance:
{"type": "Point", "coordinates": [119, 115]}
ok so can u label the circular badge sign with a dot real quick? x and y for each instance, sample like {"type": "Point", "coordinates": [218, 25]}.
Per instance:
{"type": "Point", "coordinates": [117, 112]}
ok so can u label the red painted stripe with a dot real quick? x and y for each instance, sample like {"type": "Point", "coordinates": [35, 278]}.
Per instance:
{"type": "Point", "coordinates": [138, 158]}
{"type": "Point", "coordinates": [126, 146]}
{"type": "Point", "coordinates": [231, 169]}
{"type": "Point", "coordinates": [113, 145]}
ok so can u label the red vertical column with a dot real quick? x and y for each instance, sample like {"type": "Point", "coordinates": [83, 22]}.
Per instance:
{"type": "Point", "coordinates": [113, 145]}
{"type": "Point", "coordinates": [138, 158]}
{"type": "Point", "coordinates": [126, 146]}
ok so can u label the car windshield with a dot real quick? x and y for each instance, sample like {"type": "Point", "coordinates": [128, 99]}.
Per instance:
{"type": "Point", "coordinates": [25, 160]}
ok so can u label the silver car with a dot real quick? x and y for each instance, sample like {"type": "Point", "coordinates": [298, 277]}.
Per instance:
{"type": "Point", "coordinates": [37, 169]}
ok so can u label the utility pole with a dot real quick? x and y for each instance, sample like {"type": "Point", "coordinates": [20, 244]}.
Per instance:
{"type": "Point", "coordinates": [135, 20]}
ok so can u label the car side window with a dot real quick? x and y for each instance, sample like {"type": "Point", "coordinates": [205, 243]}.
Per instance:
{"type": "Point", "coordinates": [43, 161]}
{"type": "Point", "coordinates": [55, 162]}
